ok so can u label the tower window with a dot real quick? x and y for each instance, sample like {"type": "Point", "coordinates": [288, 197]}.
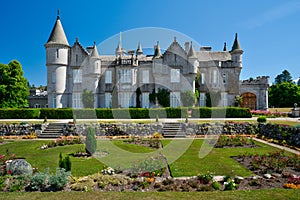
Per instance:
{"type": "Point", "coordinates": [57, 53]}
{"type": "Point", "coordinates": [175, 75]}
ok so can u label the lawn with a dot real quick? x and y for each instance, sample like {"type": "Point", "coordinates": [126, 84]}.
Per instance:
{"type": "Point", "coordinates": [218, 160]}
{"type": "Point", "coordinates": [48, 158]}
{"type": "Point", "coordinates": [182, 155]}
{"type": "Point", "coordinates": [272, 194]}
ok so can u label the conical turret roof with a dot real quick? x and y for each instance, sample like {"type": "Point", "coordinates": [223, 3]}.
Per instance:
{"type": "Point", "coordinates": [236, 44]}
{"type": "Point", "coordinates": [139, 49]}
{"type": "Point", "coordinates": [191, 53]}
{"type": "Point", "coordinates": [58, 35]}
{"type": "Point", "coordinates": [225, 47]}
{"type": "Point", "coordinates": [95, 51]}
{"type": "Point", "coordinates": [157, 52]}
{"type": "Point", "coordinates": [119, 49]}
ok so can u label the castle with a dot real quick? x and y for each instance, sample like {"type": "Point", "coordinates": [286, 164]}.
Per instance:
{"type": "Point", "coordinates": [127, 79]}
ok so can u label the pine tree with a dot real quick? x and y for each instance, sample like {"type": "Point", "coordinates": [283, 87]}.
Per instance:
{"type": "Point", "coordinates": [67, 163]}
{"type": "Point", "coordinates": [61, 163]}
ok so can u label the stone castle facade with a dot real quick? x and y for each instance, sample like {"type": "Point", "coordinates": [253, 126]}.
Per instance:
{"type": "Point", "coordinates": [127, 79]}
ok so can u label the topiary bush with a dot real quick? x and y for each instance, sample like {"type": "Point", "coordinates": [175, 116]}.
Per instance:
{"type": "Point", "coordinates": [262, 119]}
{"type": "Point", "coordinates": [90, 142]}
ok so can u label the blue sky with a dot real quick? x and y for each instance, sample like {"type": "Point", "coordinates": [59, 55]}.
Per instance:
{"type": "Point", "coordinates": [269, 30]}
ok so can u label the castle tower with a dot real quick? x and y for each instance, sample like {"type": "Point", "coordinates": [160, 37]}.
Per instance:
{"type": "Point", "coordinates": [236, 53]}
{"type": "Point", "coordinates": [193, 65]}
{"type": "Point", "coordinates": [92, 74]}
{"type": "Point", "coordinates": [57, 57]}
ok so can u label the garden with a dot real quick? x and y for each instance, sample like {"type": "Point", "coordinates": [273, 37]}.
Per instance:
{"type": "Point", "coordinates": [230, 161]}
{"type": "Point", "coordinates": [229, 166]}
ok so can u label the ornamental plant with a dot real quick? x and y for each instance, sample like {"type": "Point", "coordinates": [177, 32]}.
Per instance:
{"type": "Point", "coordinates": [91, 142]}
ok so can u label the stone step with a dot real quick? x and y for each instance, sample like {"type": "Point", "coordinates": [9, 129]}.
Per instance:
{"type": "Point", "coordinates": [173, 129]}
{"type": "Point", "coordinates": [53, 130]}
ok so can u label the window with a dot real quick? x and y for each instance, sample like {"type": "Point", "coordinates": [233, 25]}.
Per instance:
{"type": "Point", "coordinates": [108, 76]}
{"type": "Point", "coordinates": [175, 75]}
{"type": "Point", "coordinates": [224, 99]}
{"type": "Point", "coordinates": [107, 100]}
{"type": "Point", "coordinates": [174, 99]}
{"type": "Point", "coordinates": [145, 100]}
{"type": "Point", "coordinates": [202, 100]}
{"type": "Point", "coordinates": [37, 106]}
{"type": "Point", "coordinates": [54, 101]}
{"type": "Point", "coordinates": [125, 75]}
{"type": "Point", "coordinates": [57, 53]}
{"type": "Point", "coordinates": [224, 79]}
{"type": "Point", "coordinates": [76, 59]}
{"type": "Point", "coordinates": [215, 77]}
{"type": "Point", "coordinates": [53, 77]}
{"type": "Point", "coordinates": [127, 99]}
{"type": "Point", "coordinates": [145, 76]}
{"type": "Point", "coordinates": [133, 72]}
{"type": "Point", "coordinates": [202, 78]}
{"type": "Point", "coordinates": [77, 75]}
{"type": "Point", "coordinates": [77, 100]}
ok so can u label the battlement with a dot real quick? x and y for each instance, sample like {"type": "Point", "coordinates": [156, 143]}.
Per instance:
{"type": "Point", "coordinates": [260, 80]}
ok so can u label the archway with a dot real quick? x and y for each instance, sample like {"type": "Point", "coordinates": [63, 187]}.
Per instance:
{"type": "Point", "coordinates": [249, 100]}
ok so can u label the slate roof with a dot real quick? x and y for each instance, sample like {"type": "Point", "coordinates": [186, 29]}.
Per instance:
{"type": "Point", "coordinates": [213, 55]}
{"type": "Point", "coordinates": [95, 51]}
{"type": "Point", "coordinates": [236, 44]}
{"type": "Point", "coordinates": [58, 35]}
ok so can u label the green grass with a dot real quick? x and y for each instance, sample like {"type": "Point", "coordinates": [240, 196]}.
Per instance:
{"type": "Point", "coordinates": [272, 194]}
{"type": "Point", "coordinates": [218, 160]}
{"type": "Point", "coordinates": [43, 159]}
{"type": "Point", "coordinates": [182, 155]}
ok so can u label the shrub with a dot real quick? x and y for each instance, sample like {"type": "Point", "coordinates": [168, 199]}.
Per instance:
{"type": "Point", "coordinates": [19, 113]}
{"type": "Point", "coordinates": [58, 181]}
{"type": "Point", "coordinates": [262, 119]}
{"type": "Point", "coordinates": [91, 142]}
{"type": "Point", "coordinates": [56, 113]}
{"type": "Point", "coordinates": [216, 185]}
{"type": "Point", "coordinates": [38, 182]}
{"type": "Point", "coordinates": [64, 163]}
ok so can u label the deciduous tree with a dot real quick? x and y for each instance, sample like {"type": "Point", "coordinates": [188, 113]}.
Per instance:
{"type": "Point", "coordinates": [13, 86]}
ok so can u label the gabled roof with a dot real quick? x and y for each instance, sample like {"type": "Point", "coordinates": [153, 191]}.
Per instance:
{"type": "Point", "coordinates": [176, 48]}
{"type": "Point", "coordinates": [77, 43]}
{"type": "Point", "coordinates": [58, 35]}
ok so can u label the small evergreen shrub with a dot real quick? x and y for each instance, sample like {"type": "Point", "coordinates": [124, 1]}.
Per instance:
{"type": "Point", "coordinates": [91, 142]}
{"type": "Point", "coordinates": [64, 163]}
{"type": "Point", "coordinates": [262, 119]}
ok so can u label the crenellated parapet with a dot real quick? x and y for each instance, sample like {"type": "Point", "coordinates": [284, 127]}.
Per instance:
{"type": "Point", "coordinates": [260, 80]}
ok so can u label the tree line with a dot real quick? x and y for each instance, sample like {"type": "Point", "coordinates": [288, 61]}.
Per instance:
{"type": "Point", "coordinates": [284, 92]}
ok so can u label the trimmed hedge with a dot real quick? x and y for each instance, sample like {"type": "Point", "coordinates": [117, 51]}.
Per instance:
{"type": "Point", "coordinates": [125, 113]}
{"type": "Point", "coordinates": [216, 112]}
{"type": "Point", "coordinates": [19, 113]}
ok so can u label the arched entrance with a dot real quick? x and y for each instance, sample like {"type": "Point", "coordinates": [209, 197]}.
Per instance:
{"type": "Point", "coordinates": [249, 100]}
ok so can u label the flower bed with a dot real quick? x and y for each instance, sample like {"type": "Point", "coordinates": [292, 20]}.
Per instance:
{"type": "Point", "coordinates": [69, 140]}
{"type": "Point", "coordinates": [274, 170]}
{"type": "Point", "coordinates": [234, 141]}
